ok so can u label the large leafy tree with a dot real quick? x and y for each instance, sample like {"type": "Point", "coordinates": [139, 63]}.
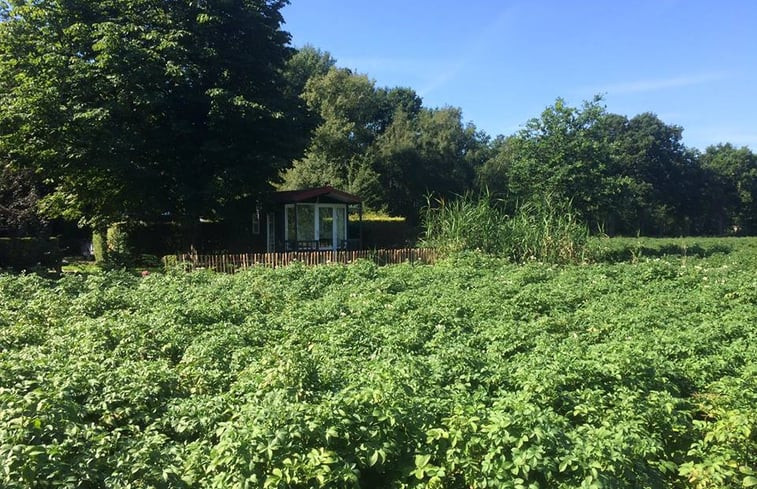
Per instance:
{"type": "Point", "coordinates": [307, 63]}
{"type": "Point", "coordinates": [381, 143]}
{"type": "Point", "coordinates": [557, 155]}
{"type": "Point", "coordinates": [731, 189]}
{"type": "Point", "coordinates": [664, 181]}
{"type": "Point", "coordinates": [352, 114]}
{"type": "Point", "coordinates": [135, 108]}
{"type": "Point", "coordinates": [346, 106]}
{"type": "Point", "coordinates": [623, 175]}
{"type": "Point", "coordinates": [431, 152]}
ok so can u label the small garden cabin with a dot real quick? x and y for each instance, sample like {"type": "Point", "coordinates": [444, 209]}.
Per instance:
{"type": "Point", "coordinates": [311, 219]}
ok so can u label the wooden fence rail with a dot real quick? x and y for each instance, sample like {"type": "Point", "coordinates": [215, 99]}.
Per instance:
{"type": "Point", "coordinates": [231, 263]}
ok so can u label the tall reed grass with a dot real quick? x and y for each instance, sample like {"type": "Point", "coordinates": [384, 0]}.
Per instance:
{"type": "Point", "coordinates": [545, 230]}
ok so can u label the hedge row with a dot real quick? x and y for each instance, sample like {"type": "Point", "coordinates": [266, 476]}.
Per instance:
{"type": "Point", "coordinates": [19, 254]}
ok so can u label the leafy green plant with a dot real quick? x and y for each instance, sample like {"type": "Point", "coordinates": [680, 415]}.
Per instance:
{"type": "Point", "coordinates": [119, 254]}
{"type": "Point", "coordinates": [474, 372]}
{"type": "Point", "coordinates": [463, 224]}
{"type": "Point", "coordinates": [546, 230]}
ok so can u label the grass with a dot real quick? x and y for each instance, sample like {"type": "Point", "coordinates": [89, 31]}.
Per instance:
{"type": "Point", "coordinates": [76, 265]}
{"type": "Point", "coordinates": [546, 230]}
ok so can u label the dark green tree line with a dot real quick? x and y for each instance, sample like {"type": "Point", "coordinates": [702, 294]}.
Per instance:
{"type": "Point", "coordinates": [730, 176]}
{"type": "Point", "coordinates": [625, 176]}
{"type": "Point", "coordinates": [382, 144]}
{"type": "Point", "coordinates": [126, 110]}
{"type": "Point", "coordinates": [135, 109]}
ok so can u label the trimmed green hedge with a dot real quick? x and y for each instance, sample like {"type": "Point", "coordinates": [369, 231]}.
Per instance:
{"type": "Point", "coordinates": [386, 233]}
{"type": "Point", "coordinates": [19, 254]}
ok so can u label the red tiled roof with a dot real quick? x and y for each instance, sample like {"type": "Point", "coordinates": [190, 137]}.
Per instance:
{"type": "Point", "coordinates": [291, 196]}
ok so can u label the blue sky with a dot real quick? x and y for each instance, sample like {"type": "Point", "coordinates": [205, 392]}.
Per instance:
{"type": "Point", "coordinates": [693, 63]}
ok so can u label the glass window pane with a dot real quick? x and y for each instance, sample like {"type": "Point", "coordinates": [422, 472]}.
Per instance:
{"type": "Point", "coordinates": [291, 229]}
{"type": "Point", "coordinates": [305, 222]}
{"type": "Point", "coordinates": [340, 215]}
{"type": "Point", "coordinates": [325, 227]}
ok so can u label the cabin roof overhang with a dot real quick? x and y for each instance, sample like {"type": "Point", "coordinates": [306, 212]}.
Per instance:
{"type": "Point", "coordinates": [315, 194]}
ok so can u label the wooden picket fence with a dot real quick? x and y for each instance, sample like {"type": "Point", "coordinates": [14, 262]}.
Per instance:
{"type": "Point", "coordinates": [231, 263]}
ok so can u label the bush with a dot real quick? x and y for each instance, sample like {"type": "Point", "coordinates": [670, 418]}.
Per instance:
{"type": "Point", "coordinates": [147, 260]}
{"type": "Point", "coordinates": [119, 251]}
{"type": "Point", "coordinates": [112, 248]}
{"type": "Point", "coordinates": [100, 246]}
{"type": "Point", "coordinates": [384, 232]}
{"type": "Point", "coordinates": [20, 254]}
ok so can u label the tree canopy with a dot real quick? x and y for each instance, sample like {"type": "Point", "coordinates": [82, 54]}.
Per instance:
{"type": "Point", "coordinates": [382, 144]}
{"type": "Point", "coordinates": [123, 110]}
{"type": "Point", "coordinates": [132, 109]}
{"type": "Point", "coordinates": [731, 179]}
{"type": "Point", "coordinates": [624, 176]}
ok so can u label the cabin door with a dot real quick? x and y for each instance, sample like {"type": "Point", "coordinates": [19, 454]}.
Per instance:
{"type": "Point", "coordinates": [325, 228]}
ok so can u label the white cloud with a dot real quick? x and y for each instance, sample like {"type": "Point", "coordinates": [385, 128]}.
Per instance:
{"type": "Point", "coordinates": [653, 85]}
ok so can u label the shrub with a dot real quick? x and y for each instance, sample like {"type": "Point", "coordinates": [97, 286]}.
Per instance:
{"type": "Point", "coordinates": [384, 232]}
{"type": "Point", "coordinates": [100, 246]}
{"type": "Point", "coordinates": [19, 254]}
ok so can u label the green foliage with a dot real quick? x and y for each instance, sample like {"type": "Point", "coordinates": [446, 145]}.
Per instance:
{"type": "Point", "coordinates": [100, 245]}
{"type": "Point", "coordinates": [661, 189]}
{"type": "Point", "coordinates": [384, 232]}
{"type": "Point", "coordinates": [464, 224]}
{"type": "Point", "coordinates": [471, 373]}
{"type": "Point", "coordinates": [119, 253]}
{"type": "Point", "coordinates": [623, 176]}
{"type": "Point", "coordinates": [545, 230]}
{"type": "Point", "coordinates": [131, 109]}
{"type": "Point", "coordinates": [604, 249]}
{"type": "Point", "coordinates": [20, 193]}
{"type": "Point", "coordinates": [732, 189]}
{"type": "Point", "coordinates": [349, 107]}
{"type": "Point", "coordinates": [29, 254]}
{"type": "Point", "coordinates": [558, 155]}
{"type": "Point", "coordinates": [380, 143]}
{"type": "Point", "coordinates": [431, 151]}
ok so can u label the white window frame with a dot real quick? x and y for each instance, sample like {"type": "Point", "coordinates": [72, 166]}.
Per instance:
{"type": "Point", "coordinates": [316, 222]}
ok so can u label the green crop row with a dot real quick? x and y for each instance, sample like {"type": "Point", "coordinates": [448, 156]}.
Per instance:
{"type": "Point", "coordinates": [471, 373]}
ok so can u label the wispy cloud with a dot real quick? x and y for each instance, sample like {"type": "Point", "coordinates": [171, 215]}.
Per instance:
{"type": "Point", "coordinates": [653, 85]}
{"type": "Point", "coordinates": [442, 77]}
{"type": "Point", "coordinates": [472, 48]}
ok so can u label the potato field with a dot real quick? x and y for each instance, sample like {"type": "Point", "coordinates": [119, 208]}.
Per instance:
{"type": "Point", "coordinates": [636, 372]}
